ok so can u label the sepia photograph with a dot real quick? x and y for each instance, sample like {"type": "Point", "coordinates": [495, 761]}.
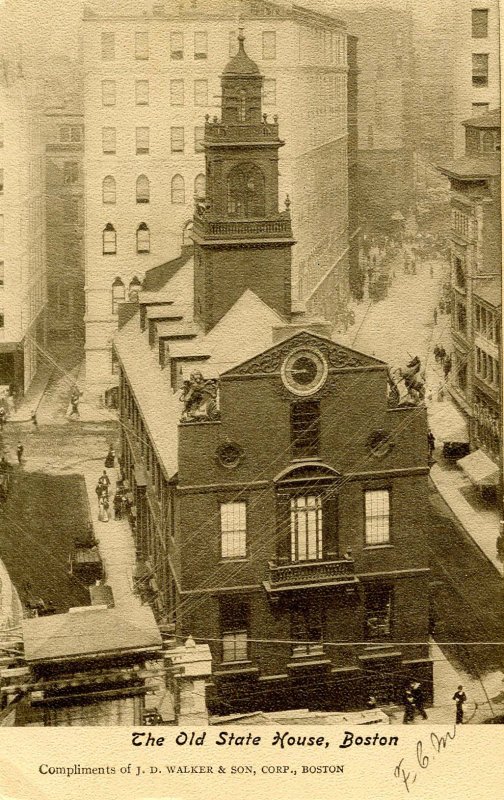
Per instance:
{"type": "Point", "coordinates": [251, 450]}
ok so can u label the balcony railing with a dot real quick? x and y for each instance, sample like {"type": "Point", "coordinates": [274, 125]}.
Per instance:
{"type": "Point", "coordinates": [243, 228]}
{"type": "Point", "coordinates": [217, 132]}
{"type": "Point", "coordinates": [301, 574]}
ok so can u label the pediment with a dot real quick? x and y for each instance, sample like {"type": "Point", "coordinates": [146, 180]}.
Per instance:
{"type": "Point", "coordinates": [337, 356]}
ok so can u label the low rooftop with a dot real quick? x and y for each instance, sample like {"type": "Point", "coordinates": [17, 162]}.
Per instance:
{"type": "Point", "coordinates": [490, 119]}
{"type": "Point", "coordinates": [89, 632]}
{"type": "Point", "coordinates": [469, 168]}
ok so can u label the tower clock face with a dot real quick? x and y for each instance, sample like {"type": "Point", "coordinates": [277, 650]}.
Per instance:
{"type": "Point", "coordinates": [304, 371]}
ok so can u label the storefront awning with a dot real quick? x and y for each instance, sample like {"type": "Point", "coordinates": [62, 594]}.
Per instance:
{"type": "Point", "coordinates": [479, 468]}
{"type": "Point", "coordinates": [446, 423]}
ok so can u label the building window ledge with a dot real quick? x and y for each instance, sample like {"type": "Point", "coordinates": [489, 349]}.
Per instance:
{"type": "Point", "coordinates": [384, 546]}
{"type": "Point", "coordinates": [307, 661]}
{"type": "Point", "coordinates": [236, 668]}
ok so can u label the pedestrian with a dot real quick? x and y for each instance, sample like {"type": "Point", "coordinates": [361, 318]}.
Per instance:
{"type": "Point", "coordinates": [33, 417]}
{"type": "Point", "coordinates": [441, 306]}
{"type": "Point", "coordinates": [460, 698]}
{"type": "Point", "coordinates": [74, 402]}
{"type": "Point", "coordinates": [118, 505]}
{"type": "Point", "coordinates": [20, 451]}
{"type": "Point", "coordinates": [418, 698]}
{"type": "Point", "coordinates": [442, 354]}
{"type": "Point", "coordinates": [3, 417]}
{"type": "Point", "coordinates": [103, 509]}
{"type": "Point", "coordinates": [447, 365]}
{"type": "Point", "coordinates": [435, 316]}
{"type": "Point", "coordinates": [431, 442]}
{"type": "Point", "coordinates": [104, 480]}
{"type": "Point", "coordinates": [409, 707]}
{"type": "Point", "coordinates": [436, 352]}
{"type": "Point", "coordinates": [110, 458]}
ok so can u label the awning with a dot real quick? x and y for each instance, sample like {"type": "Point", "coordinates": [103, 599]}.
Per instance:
{"type": "Point", "coordinates": [479, 468]}
{"type": "Point", "coordinates": [446, 423]}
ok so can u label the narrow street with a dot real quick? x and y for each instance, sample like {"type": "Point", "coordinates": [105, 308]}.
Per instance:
{"type": "Point", "coordinates": [467, 591]}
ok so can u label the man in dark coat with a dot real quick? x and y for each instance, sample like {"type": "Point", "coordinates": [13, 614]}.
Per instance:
{"type": "Point", "coordinates": [418, 698]}
{"type": "Point", "coordinates": [460, 698]}
{"type": "Point", "coordinates": [409, 707]}
{"type": "Point", "coordinates": [20, 451]}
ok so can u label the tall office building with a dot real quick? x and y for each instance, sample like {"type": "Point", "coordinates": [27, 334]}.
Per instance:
{"type": "Point", "coordinates": [22, 232]}
{"type": "Point", "coordinates": [149, 79]}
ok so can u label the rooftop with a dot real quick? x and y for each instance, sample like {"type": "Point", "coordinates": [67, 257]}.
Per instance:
{"type": "Point", "coordinates": [90, 631]}
{"type": "Point", "coordinates": [472, 168]}
{"type": "Point", "coordinates": [489, 290]}
{"type": "Point", "coordinates": [490, 119]}
{"type": "Point", "coordinates": [241, 64]}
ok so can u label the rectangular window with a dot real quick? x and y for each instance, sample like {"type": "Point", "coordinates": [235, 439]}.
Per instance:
{"type": "Point", "coordinates": [75, 133]}
{"type": "Point", "coordinates": [142, 141]}
{"type": "Point", "coordinates": [1, 181]}
{"type": "Point", "coordinates": [142, 45]}
{"type": "Point", "coordinates": [479, 23]}
{"type": "Point", "coordinates": [70, 173]}
{"type": "Point", "coordinates": [378, 612]}
{"type": "Point", "coordinates": [305, 428]}
{"type": "Point", "coordinates": [200, 45]}
{"type": "Point", "coordinates": [269, 45]}
{"type": "Point", "coordinates": [234, 622]}
{"type": "Point", "coordinates": [142, 93]}
{"type": "Point", "coordinates": [306, 528]}
{"type": "Point", "coordinates": [108, 45]}
{"type": "Point", "coordinates": [269, 92]}
{"type": "Point", "coordinates": [177, 140]}
{"type": "Point", "coordinates": [200, 93]}
{"type": "Point", "coordinates": [177, 92]}
{"type": "Point", "coordinates": [176, 46]}
{"type": "Point", "coordinates": [109, 140]}
{"type": "Point", "coordinates": [108, 93]}
{"type": "Point", "coordinates": [199, 135]}
{"type": "Point", "coordinates": [235, 646]}
{"type": "Point", "coordinates": [307, 631]}
{"type": "Point", "coordinates": [2, 273]}
{"type": "Point", "coordinates": [377, 502]}
{"type": "Point", "coordinates": [233, 530]}
{"type": "Point", "coordinates": [480, 108]}
{"type": "Point", "coordinates": [480, 69]}
{"type": "Point", "coordinates": [2, 321]}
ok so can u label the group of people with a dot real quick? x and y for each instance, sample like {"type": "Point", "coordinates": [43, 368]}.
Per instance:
{"type": "Point", "coordinates": [122, 501]}
{"type": "Point", "coordinates": [414, 703]}
{"type": "Point", "coordinates": [443, 358]}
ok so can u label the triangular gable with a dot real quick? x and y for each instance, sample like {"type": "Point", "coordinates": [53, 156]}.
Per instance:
{"type": "Point", "coordinates": [338, 356]}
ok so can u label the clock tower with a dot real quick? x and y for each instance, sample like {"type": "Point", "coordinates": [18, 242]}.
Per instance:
{"type": "Point", "coordinates": [241, 239]}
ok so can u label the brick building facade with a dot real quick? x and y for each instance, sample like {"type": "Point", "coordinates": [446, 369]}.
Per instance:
{"type": "Point", "coordinates": [278, 507]}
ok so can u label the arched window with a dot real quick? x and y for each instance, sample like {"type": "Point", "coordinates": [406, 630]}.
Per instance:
{"type": "Point", "coordinates": [109, 189]}
{"type": "Point", "coordinates": [109, 240]}
{"type": "Point", "coordinates": [133, 289]}
{"type": "Point", "coordinates": [246, 194]}
{"type": "Point", "coordinates": [118, 294]}
{"type": "Point", "coordinates": [488, 142]}
{"type": "Point", "coordinates": [200, 186]}
{"type": "Point", "coordinates": [143, 238]}
{"type": "Point", "coordinates": [177, 189]}
{"type": "Point", "coordinates": [142, 189]}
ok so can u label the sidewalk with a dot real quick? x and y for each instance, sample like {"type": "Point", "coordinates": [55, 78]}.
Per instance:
{"type": "Point", "coordinates": [33, 397]}
{"type": "Point", "coordinates": [485, 698]}
{"type": "Point", "coordinates": [115, 539]}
